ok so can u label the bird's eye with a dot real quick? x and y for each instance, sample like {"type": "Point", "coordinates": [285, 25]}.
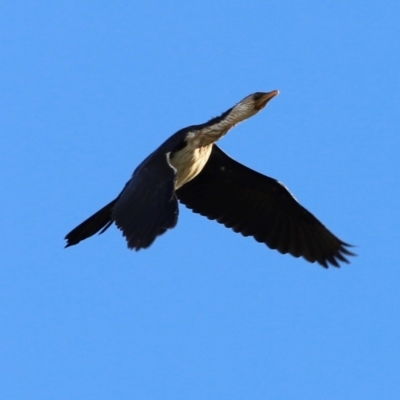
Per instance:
{"type": "Point", "coordinates": [257, 96]}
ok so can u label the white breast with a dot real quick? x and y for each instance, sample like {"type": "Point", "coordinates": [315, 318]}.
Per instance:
{"type": "Point", "coordinates": [189, 162]}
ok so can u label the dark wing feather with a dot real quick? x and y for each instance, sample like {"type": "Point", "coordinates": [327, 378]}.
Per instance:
{"type": "Point", "coordinates": [147, 206]}
{"type": "Point", "coordinates": [259, 206]}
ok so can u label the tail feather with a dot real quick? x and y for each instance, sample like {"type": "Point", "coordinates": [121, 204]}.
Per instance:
{"type": "Point", "coordinates": [98, 221]}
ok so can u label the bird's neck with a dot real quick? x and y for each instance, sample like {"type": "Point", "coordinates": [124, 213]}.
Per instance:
{"type": "Point", "coordinates": [217, 127]}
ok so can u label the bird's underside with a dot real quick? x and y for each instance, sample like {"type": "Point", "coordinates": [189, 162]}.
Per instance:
{"type": "Point", "coordinates": [224, 190]}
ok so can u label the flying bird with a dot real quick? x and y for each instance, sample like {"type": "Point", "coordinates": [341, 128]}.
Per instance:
{"type": "Point", "coordinates": [191, 168]}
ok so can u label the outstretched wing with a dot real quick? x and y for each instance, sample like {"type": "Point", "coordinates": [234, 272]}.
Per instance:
{"type": "Point", "coordinates": [259, 206]}
{"type": "Point", "coordinates": [147, 206]}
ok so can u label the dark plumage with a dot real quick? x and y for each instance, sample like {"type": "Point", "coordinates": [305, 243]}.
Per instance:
{"type": "Point", "coordinates": [190, 168]}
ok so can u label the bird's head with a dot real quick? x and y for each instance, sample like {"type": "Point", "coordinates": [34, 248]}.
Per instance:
{"type": "Point", "coordinates": [261, 99]}
{"type": "Point", "coordinates": [256, 101]}
{"type": "Point", "coordinates": [251, 105]}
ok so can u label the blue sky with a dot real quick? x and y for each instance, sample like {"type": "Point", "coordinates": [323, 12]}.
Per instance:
{"type": "Point", "coordinates": [89, 89]}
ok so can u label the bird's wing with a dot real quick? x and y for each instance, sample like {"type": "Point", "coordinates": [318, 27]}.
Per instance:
{"type": "Point", "coordinates": [147, 206]}
{"type": "Point", "coordinates": [259, 206]}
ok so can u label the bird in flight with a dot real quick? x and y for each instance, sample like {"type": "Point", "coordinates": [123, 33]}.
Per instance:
{"type": "Point", "coordinates": [191, 168]}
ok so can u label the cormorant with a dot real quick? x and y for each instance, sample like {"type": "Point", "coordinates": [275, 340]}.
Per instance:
{"type": "Point", "coordinates": [189, 167]}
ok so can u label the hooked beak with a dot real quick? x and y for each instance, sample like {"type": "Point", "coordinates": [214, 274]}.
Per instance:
{"type": "Point", "coordinates": [264, 99]}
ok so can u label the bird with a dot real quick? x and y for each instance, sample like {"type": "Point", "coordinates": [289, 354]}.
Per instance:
{"type": "Point", "coordinates": [191, 169]}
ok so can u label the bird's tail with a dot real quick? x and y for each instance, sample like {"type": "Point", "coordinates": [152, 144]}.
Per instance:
{"type": "Point", "coordinates": [98, 221]}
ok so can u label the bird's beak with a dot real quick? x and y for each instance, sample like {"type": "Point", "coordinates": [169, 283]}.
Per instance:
{"type": "Point", "coordinates": [265, 98]}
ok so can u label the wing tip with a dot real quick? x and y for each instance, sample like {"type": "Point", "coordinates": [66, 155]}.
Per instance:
{"type": "Point", "coordinates": [340, 255]}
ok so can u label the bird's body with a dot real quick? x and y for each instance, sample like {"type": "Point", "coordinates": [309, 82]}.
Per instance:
{"type": "Point", "coordinates": [190, 168]}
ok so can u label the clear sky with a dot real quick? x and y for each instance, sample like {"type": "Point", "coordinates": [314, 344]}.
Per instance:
{"type": "Point", "coordinates": [88, 90]}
